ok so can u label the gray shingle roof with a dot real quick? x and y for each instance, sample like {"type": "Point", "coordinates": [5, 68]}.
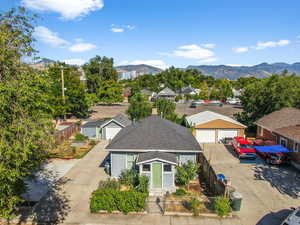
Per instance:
{"type": "Point", "coordinates": [148, 156]}
{"type": "Point", "coordinates": [281, 118]}
{"type": "Point", "coordinates": [123, 119]}
{"type": "Point", "coordinates": [94, 123]}
{"type": "Point", "coordinates": [166, 92]}
{"type": "Point", "coordinates": [155, 133]}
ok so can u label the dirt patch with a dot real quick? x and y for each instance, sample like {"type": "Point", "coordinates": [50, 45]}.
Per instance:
{"type": "Point", "coordinates": [108, 111]}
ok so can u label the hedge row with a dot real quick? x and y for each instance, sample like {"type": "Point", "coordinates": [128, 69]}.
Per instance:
{"type": "Point", "coordinates": [124, 201]}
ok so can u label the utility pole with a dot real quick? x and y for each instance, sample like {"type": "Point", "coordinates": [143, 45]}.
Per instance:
{"type": "Point", "coordinates": [63, 90]}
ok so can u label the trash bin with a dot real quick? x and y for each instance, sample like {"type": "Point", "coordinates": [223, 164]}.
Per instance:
{"type": "Point", "coordinates": [236, 201]}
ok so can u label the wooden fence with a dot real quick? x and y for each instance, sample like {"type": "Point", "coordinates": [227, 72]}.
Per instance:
{"type": "Point", "coordinates": [216, 187]}
{"type": "Point", "coordinates": [67, 132]}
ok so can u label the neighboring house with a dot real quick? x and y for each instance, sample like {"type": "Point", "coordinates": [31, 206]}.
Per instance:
{"type": "Point", "coordinates": [236, 92]}
{"type": "Point", "coordinates": [154, 146]}
{"type": "Point", "coordinates": [166, 93]}
{"type": "Point", "coordinates": [283, 127]}
{"type": "Point", "coordinates": [105, 129]}
{"type": "Point", "coordinates": [149, 94]}
{"type": "Point", "coordinates": [188, 91]}
{"type": "Point", "coordinates": [211, 127]}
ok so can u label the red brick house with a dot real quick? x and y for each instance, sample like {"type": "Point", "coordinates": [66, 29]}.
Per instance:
{"type": "Point", "coordinates": [283, 127]}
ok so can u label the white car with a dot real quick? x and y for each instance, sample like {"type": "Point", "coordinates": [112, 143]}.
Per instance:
{"type": "Point", "coordinates": [293, 218]}
{"type": "Point", "coordinates": [233, 101]}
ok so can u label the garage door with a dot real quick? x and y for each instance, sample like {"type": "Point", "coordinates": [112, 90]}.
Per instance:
{"type": "Point", "coordinates": [111, 132]}
{"type": "Point", "coordinates": [206, 135]}
{"type": "Point", "coordinates": [227, 133]}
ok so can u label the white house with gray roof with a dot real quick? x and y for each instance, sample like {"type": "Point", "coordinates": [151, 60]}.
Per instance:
{"type": "Point", "coordinates": [105, 128]}
{"type": "Point", "coordinates": [153, 146]}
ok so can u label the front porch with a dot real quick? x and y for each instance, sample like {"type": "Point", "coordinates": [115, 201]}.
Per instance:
{"type": "Point", "coordinates": [160, 168]}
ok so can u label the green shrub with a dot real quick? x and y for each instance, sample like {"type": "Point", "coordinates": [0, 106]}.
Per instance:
{"type": "Point", "coordinates": [143, 185]}
{"type": "Point", "coordinates": [74, 150]}
{"type": "Point", "coordinates": [93, 142]}
{"type": "Point", "coordinates": [124, 201]}
{"type": "Point", "coordinates": [112, 184]}
{"type": "Point", "coordinates": [80, 137]}
{"type": "Point", "coordinates": [180, 192]}
{"type": "Point", "coordinates": [186, 173]}
{"type": "Point", "coordinates": [129, 177]}
{"type": "Point", "coordinates": [194, 206]}
{"type": "Point", "coordinates": [222, 206]}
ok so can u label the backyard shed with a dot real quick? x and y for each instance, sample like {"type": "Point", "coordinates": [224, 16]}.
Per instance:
{"type": "Point", "coordinates": [211, 127]}
{"type": "Point", "coordinates": [105, 129]}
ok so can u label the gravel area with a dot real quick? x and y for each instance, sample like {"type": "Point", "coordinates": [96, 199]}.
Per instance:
{"type": "Point", "coordinates": [108, 111]}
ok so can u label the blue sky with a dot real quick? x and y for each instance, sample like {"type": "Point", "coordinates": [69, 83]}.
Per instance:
{"type": "Point", "coordinates": [167, 32]}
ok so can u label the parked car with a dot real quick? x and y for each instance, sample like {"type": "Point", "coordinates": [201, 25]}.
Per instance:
{"type": "Point", "coordinates": [193, 105]}
{"type": "Point", "coordinates": [277, 158]}
{"type": "Point", "coordinates": [233, 101]}
{"type": "Point", "coordinates": [196, 102]}
{"type": "Point", "coordinates": [243, 148]}
{"type": "Point", "coordinates": [293, 218]}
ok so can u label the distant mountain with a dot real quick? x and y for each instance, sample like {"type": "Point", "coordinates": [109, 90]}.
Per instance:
{"type": "Point", "coordinates": [140, 69]}
{"type": "Point", "coordinates": [259, 71]}
{"type": "Point", "coordinates": [42, 63]}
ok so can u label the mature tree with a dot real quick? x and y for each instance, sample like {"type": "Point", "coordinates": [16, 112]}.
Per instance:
{"type": "Point", "coordinates": [268, 95]}
{"type": "Point", "coordinates": [203, 94]}
{"type": "Point", "coordinates": [98, 70]}
{"type": "Point", "coordinates": [139, 108]}
{"type": "Point", "coordinates": [16, 31]}
{"type": "Point", "coordinates": [110, 92]}
{"type": "Point", "coordinates": [186, 173]}
{"type": "Point", "coordinates": [166, 109]}
{"type": "Point", "coordinates": [25, 112]}
{"type": "Point", "coordinates": [76, 101]}
{"type": "Point", "coordinates": [224, 88]}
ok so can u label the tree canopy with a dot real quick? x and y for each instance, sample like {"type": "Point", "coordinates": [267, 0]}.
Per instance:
{"type": "Point", "coordinates": [139, 108]}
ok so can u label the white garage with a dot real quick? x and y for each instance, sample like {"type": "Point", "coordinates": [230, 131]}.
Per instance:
{"type": "Point", "coordinates": [206, 135]}
{"type": "Point", "coordinates": [111, 132]}
{"type": "Point", "coordinates": [227, 133]}
{"type": "Point", "coordinates": [211, 127]}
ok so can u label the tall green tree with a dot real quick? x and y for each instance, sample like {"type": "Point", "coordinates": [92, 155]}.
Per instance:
{"type": "Point", "coordinates": [98, 70]}
{"type": "Point", "coordinates": [110, 92]}
{"type": "Point", "coordinates": [139, 108]}
{"type": "Point", "coordinates": [166, 109]}
{"type": "Point", "coordinates": [76, 100]}
{"type": "Point", "coordinates": [26, 129]}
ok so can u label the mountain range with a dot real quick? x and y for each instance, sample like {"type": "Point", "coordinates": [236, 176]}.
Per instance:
{"type": "Point", "coordinates": [140, 69]}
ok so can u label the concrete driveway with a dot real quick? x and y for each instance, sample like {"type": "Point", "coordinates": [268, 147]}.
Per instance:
{"type": "Point", "coordinates": [268, 191]}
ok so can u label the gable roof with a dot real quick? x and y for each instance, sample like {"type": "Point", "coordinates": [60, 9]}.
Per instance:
{"type": "Point", "coordinates": [166, 91]}
{"type": "Point", "coordinates": [186, 90]}
{"type": "Point", "coordinates": [285, 117]}
{"type": "Point", "coordinates": [208, 116]}
{"type": "Point", "coordinates": [147, 92]}
{"type": "Point", "coordinates": [151, 156]}
{"type": "Point", "coordinates": [120, 119]}
{"type": "Point", "coordinates": [154, 133]}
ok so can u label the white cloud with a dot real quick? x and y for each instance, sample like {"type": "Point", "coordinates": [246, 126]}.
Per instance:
{"type": "Point", "coordinates": [77, 62]}
{"type": "Point", "coordinates": [271, 44]}
{"type": "Point", "coordinates": [298, 36]}
{"type": "Point", "coordinates": [47, 36]}
{"type": "Point", "coordinates": [208, 60]}
{"type": "Point", "coordinates": [152, 62]}
{"type": "Point", "coordinates": [240, 49]}
{"type": "Point", "coordinates": [82, 47]}
{"type": "Point", "coordinates": [68, 9]}
{"type": "Point", "coordinates": [117, 30]}
{"type": "Point", "coordinates": [192, 52]}
{"type": "Point", "coordinates": [121, 28]}
{"type": "Point", "coordinates": [234, 65]}
{"type": "Point", "coordinates": [208, 45]}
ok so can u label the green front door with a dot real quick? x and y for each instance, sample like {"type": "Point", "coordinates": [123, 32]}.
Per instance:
{"type": "Point", "coordinates": [157, 175]}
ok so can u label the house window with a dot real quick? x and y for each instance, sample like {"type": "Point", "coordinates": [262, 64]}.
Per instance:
{"type": "Point", "coordinates": [283, 142]}
{"type": "Point", "coordinates": [130, 160]}
{"type": "Point", "coordinates": [167, 168]}
{"type": "Point", "coordinates": [146, 167]}
{"type": "Point", "coordinates": [296, 146]}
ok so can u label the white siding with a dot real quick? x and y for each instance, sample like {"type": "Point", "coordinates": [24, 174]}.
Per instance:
{"type": "Point", "coordinates": [206, 135]}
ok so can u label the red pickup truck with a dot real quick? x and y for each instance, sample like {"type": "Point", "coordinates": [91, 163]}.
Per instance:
{"type": "Point", "coordinates": [243, 148]}
{"type": "Point", "coordinates": [271, 158]}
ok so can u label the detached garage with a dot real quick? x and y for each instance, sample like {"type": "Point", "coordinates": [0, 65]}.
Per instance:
{"type": "Point", "coordinates": [211, 127]}
{"type": "Point", "coordinates": [105, 129]}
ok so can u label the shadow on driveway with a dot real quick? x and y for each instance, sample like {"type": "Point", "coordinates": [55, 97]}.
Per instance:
{"type": "Point", "coordinates": [274, 218]}
{"type": "Point", "coordinates": [285, 179]}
